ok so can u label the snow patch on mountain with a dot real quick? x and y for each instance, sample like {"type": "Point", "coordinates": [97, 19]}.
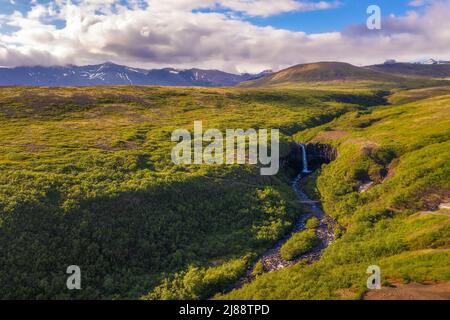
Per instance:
{"type": "Point", "coordinates": [113, 74]}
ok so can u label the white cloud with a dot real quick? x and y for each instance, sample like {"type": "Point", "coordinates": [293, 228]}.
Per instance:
{"type": "Point", "coordinates": [161, 33]}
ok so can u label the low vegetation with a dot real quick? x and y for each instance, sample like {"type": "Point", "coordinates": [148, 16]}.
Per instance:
{"type": "Point", "coordinates": [86, 179]}
{"type": "Point", "coordinates": [312, 223]}
{"type": "Point", "coordinates": [258, 269]}
{"type": "Point", "coordinates": [396, 224]}
{"type": "Point", "coordinates": [300, 243]}
{"type": "Point", "coordinates": [346, 75]}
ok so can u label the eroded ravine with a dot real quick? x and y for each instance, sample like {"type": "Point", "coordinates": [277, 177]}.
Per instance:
{"type": "Point", "coordinates": [272, 259]}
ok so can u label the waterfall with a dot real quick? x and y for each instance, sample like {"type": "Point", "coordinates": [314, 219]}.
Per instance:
{"type": "Point", "coordinates": [305, 159]}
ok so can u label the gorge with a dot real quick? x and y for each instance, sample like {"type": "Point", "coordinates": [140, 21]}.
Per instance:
{"type": "Point", "coordinates": [271, 259]}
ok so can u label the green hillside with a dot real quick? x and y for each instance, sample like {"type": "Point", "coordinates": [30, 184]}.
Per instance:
{"type": "Point", "coordinates": [343, 76]}
{"type": "Point", "coordinates": [86, 179]}
{"type": "Point", "coordinates": [322, 72]}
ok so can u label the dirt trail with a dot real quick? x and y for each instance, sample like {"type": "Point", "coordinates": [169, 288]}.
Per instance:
{"type": "Point", "coordinates": [412, 291]}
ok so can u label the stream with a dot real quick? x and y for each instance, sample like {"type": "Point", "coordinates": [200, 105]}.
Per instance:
{"type": "Point", "coordinates": [272, 259]}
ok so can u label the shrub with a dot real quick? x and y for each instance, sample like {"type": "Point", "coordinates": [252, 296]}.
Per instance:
{"type": "Point", "coordinates": [312, 223]}
{"type": "Point", "coordinates": [198, 283]}
{"type": "Point", "coordinates": [258, 269]}
{"type": "Point", "coordinates": [299, 244]}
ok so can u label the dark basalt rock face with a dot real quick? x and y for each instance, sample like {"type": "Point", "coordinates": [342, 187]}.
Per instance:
{"type": "Point", "coordinates": [295, 157]}
{"type": "Point", "coordinates": [319, 154]}
{"type": "Point", "coordinates": [316, 153]}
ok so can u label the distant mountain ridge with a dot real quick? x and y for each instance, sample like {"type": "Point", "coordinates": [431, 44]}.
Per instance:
{"type": "Point", "coordinates": [319, 72]}
{"type": "Point", "coordinates": [114, 74]}
{"type": "Point", "coordinates": [429, 70]}
{"type": "Point", "coordinates": [429, 61]}
{"type": "Point", "coordinates": [322, 72]}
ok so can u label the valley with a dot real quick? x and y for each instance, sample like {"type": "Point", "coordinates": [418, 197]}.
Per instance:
{"type": "Point", "coordinates": [272, 259]}
{"type": "Point", "coordinates": [86, 179]}
{"type": "Point", "coordinates": [386, 224]}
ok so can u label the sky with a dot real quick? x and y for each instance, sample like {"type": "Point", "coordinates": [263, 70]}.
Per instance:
{"type": "Point", "coordinates": [230, 35]}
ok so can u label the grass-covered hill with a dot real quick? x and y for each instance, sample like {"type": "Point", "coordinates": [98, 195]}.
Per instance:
{"type": "Point", "coordinates": [401, 154]}
{"type": "Point", "coordinates": [86, 179]}
{"type": "Point", "coordinates": [322, 72]}
{"type": "Point", "coordinates": [339, 74]}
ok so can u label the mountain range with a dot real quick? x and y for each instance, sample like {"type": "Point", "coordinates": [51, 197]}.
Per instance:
{"type": "Point", "coordinates": [441, 70]}
{"type": "Point", "coordinates": [114, 74]}
{"type": "Point", "coordinates": [344, 72]}
{"type": "Point", "coordinates": [431, 61]}
{"type": "Point", "coordinates": [322, 72]}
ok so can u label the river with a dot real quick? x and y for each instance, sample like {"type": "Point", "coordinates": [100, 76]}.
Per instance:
{"type": "Point", "coordinates": [272, 259]}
